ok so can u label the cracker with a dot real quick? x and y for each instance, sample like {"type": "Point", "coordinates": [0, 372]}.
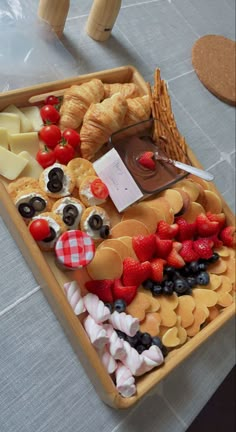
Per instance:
{"type": "Point", "coordinates": [174, 198]}
{"type": "Point", "coordinates": [91, 211]}
{"type": "Point", "coordinates": [81, 168]}
{"type": "Point", "coordinates": [151, 324]}
{"type": "Point", "coordinates": [18, 186]}
{"type": "Point", "coordinates": [142, 213]}
{"type": "Point", "coordinates": [213, 202]}
{"type": "Point", "coordinates": [118, 246]}
{"type": "Point", "coordinates": [129, 243]}
{"type": "Point", "coordinates": [85, 186]}
{"type": "Point", "coordinates": [185, 310]}
{"type": "Point", "coordinates": [129, 227]}
{"type": "Point", "coordinates": [138, 307]}
{"type": "Point", "coordinates": [106, 264]}
{"type": "Point", "coordinates": [193, 211]}
{"type": "Point", "coordinates": [68, 182]}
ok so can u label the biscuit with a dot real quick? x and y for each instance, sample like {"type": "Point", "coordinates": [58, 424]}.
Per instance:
{"type": "Point", "coordinates": [85, 192]}
{"type": "Point", "coordinates": [101, 230]}
{"type": "Point", "coordinates": [70, 210]}
{"type": "Point", "coordinates": [106, 264]}
{"type": "Point", "coordinates": [81, 168]}
{"type": "Point", "coordinates": [60, 186]}
{"type": "Point", "coordinates": [31, 202]}
{"type": "Point", "coordinates": [20, 185]}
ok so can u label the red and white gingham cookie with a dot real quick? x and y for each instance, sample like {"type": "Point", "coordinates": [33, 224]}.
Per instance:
{"type": "Point", "coordinates": [74, 249]}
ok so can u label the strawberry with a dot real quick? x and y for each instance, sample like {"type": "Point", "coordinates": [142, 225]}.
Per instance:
{"type": "Point", "coordinates": [147, 161]}
{"type": "Point", "coordinates": [157, 265]}
{"type": "Point", "coordinates": [102, 288]}
{"type": "Point", "coordinates": [144, 246]}
{"type": "Point", "coordinates": [163, 247]}
{"type": "Point", "coordinates": [174, 259]}
{"type": "Point", "coordinates": [126, 293]}
{"type": "Point", "coordinates": [186, 230]}
{"type": "Point", "coordinates": [166, 231]}
{"type": "Point", "coordinates": [217, 243]}
{"type": "Point", "coordinates": [203, 247]}
{"type": "Point", "coordinates": [205, 227]}
{"type": "Point", "coordinates": [220, 217]}
{"type": "Point", "coordinates": [228, 236]}
{"type": "Point", "coordinates": [134, 272]}
{"type": "Point", "coordinates": [187, 252]}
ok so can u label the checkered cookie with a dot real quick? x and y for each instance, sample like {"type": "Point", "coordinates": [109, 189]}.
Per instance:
{"type": "Point", "coordinates": [74, 249]}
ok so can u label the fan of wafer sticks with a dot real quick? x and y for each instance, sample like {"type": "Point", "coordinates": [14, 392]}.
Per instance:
{"type": "Point", "coordinates": [175, 145]}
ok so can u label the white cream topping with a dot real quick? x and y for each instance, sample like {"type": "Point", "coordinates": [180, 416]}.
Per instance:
{"type": "Point", "coordinates": [65, 181]}
{"type": "Point", "coordinates": [87, 193]}
{"type": "Point", "coordinates": [53, 224]}
{"type": "Point", "coordinates": [95, 234]}
{"type": "Point", "coordinates": [65, 202]}
{"type": "Point", "coordinates": [27, 198]}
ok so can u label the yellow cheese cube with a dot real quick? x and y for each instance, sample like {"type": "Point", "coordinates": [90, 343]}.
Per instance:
{"type": "Point", "coordinates": [25, 123]}
{"type": "Point", "coordinates": [32, 169]}
{"type": "Point", "coordinates": [33, 114]}
{"type": "Point", "coordinates": [24, 141]}
{"type": "Point", "coordinates": [11, 165]}
{"type": "Point", "coordinates": [11, 122]}
{"type": "Point", "coordinates": [3, 138]}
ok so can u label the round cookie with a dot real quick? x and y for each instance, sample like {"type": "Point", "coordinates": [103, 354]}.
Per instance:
{"type": "Point", "coordinates": [101, 223]}
{"type": "Point", "coordinates": [85, 192]}
{"type": "Point", "coordinates": [57, 181]}
{"type": "Point", "coordinates": [81, 168]}
{"type": "Point", "coordinates": [213, 58]}
{"type": "Point", "coordinates": [57, 228]}
{"type": "Point", "coordinates": [32, 202]}
{"type": "Point", "coordinates": [70, 210]}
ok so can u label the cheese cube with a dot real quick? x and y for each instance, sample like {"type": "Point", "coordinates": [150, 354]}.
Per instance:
{"type": "Point", "coordinates": [3, 138]}
{"type": "Point", "coordinates": [32, 169]}
{"type": "Point", "coordinates": [25, 123]}
{"type": "Point", "coordinates": [24, 141]}
{"type": "Point", "coordinates": [11, 122]}
{"type": "Point", "coordinates": [33, 114]}
{"type": "Point", "coordinates": [11, 165]}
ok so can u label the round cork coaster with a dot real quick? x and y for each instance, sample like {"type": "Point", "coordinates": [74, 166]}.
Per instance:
{"type": "Point", "coordinates": [213, 58]}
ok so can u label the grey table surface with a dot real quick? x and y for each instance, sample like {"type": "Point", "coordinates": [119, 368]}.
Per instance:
{"type": "Point", "coordinates": [43, 387]}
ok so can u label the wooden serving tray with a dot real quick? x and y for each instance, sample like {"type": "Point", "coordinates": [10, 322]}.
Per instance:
{"type": "Point", "coordinates": [51, 279]}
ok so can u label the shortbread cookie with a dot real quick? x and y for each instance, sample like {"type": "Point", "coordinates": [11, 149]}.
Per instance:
{"type": "Point", "coordinates": [70, 209]}
{"type": "Point", "coordinates": [96, 222]}
{"type": "Point", "coordinates": [93, 191]}
{"type": "Point", "coordinates": [81, 168]}
{"type": "Point", "coordinates": [32, 202]}
{"type": "Point", "coordinates": [57, 227]}
{"type": "Point", "coordinates": [57, 181]}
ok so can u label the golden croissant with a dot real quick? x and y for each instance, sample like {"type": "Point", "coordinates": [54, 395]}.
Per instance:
{"type": "Point", "coordinates": [100, 121]}
{"type": "Point", "coordinates": [139, 109]}
{"type": "Point", "coordinates": [76, 101]}
{"type": "Point", "coordinates": [128, 90]}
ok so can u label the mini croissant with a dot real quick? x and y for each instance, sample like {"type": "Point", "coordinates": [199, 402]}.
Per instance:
{"type": "Point", "coordinates": [128, 90]}
{"type": "Point", "coordinates": [100, 121]}
{"type": "Point", "coordinates": [139, 109]}
{"type": "Point", "coordinates": [77, 99]}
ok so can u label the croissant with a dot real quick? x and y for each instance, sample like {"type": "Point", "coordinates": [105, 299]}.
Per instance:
{"type": "Point", "coordinates": [128, 90]}
{"type": "Point", "coordinates": [77, 100]}
{"type": "Point", "coordinates": [100, 121]}
{"type": "Point", "coordinates": [139, 109]}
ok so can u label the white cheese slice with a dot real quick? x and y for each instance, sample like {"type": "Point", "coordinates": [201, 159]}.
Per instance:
{"type": "Point", "coordinates": [32, 169]}
{"type": "Point", "coordinates": [10, 121]}
{"type": "Point", "coordinates": [24, 141]}
{"type": "Point", "coordinates": [3, 138]}
{"type": "Point", "coordinates": [25, 123]}
{"type": "Point", "coordinates": [33, 114]}
{"type": "Point", "coordinates": [11, 165]}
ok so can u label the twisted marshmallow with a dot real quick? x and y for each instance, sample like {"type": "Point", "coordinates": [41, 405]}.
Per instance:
{"type": "Point", "coordinates": [96, 333]}
{"type": "Point", "coordinates": [125, 382]}
{"type": "Point", "coordinates": [133, 360]}
{"type": "Point", "coordinates": [124, 322]}
{"type": "Point", "coordinates": [115, 346]}
{"type": "Point", "coordinates": [108, 361]}
{"type": "Point", "coordinates": [96, 308]}
{"type": "Point", "coordinates": [151, 358]}
{"type": "Point", "coordinates": [73, 294]}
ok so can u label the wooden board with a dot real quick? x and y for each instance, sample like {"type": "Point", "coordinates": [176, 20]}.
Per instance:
{"type": "Point", "coordinates": [51, 279]}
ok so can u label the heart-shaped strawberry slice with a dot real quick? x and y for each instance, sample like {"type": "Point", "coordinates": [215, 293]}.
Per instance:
{"type": "Point", "coordinates": [134, 272]}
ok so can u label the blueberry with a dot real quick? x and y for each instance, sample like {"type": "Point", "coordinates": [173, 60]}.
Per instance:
{"type": "Point", "coordinates": [121, 334]}
{"type": "Point", "coordinates": [164, 351]}
{"type": "Point", "coordinates": [193, 266]}
{"type": "Point", "coordinates": [191, 281]}
{"type": "Point", "coordinates": [119, 305]}
{"type": "Point", "coordinates": [180, 286]}
{"type": "Point", "coordinates": [139, 335]}
{"type": "Point", "coordinates": [148, 284]}
{"type": "Point", "coordinates": [168, 290]}
{"type": "Point", "coordinates": [109, 306]}
{"type": "Point", "coordinates": [146, 339]}
{"type": "Point", "coordinates": [157, 341]}
{"type": "Point", "coordinates": [202, 266]}
{"type": "Point", "coordinates": [213, 258]}
{"type": "Point", "coordinates": [185, 271]}
{"type": "Point", "coordinates": [156, 289]}
{"type": "Point", "coordinates": [203, 278]}
{"type": "Point", "coordinates": [140, 348]}
{"type": "Point", "coordinates": [133, 340]}
{"type": "Point", "coordinates": [169, 271]}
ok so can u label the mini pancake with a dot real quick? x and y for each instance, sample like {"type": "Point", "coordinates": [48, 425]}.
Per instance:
{"type": "Point", "coordinates": [126, 240]}
{"type": "Point", "coordinates": [225, 299]}
{"type": "Point", "coordinates": [194, 210]}
{"type": "Point", "coordinates": [174, 198]}
{"type": "Point", "coordinates": [186, 201]}
{"type": "Point", "coordinates": [205, 184]}
{"type": "Point", "coordinates": [130, 227]}
{"type": "Point", "coordinates": [205, 297]}
{"type": "Point", "coordinates": [154, 305]}
{"type": "Point", "coordinates": [170, 338]}
{"type": "Point", "coordinates": [151, 324]}
{"type": "Point", "coordinates": [218, 267]}
{"type": "Point", "coordinates": [215, 282]}
{"type": "Point", "coordinates": [106, 264]}
{"type": "Point", "coordinates": [117, 245]}
{"type": "Point", "coordinates": [223, 251]}
{"type": "Point", "coordinates": [81, 168]}
{"type": "Point", "coordinates": [213, 202]}
{"type": "Point", "coordinates": [225, 286]}
{"type": "Point", "coordinates": [164, 206]}
{"type": "Point", "coordinates": [138, 307]}
{"type": "Point", "coordinates": [200, 314]}
{"type": "Point", "coordinates": [190, 187]}
{"type": "Point", "coordinates": [185, 310]}
{"type": "Point", "coordinates": [142, 213]}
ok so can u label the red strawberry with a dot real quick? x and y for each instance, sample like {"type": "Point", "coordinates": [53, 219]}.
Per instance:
{"type": "Point", "coordinates": [157, 269]}
{"type": "Point", "coordinates": [166, 231]}
{"type": "Point", "coordinates": [163, 247]}
{"type": "Point", "coordinates": [217, 243]}
{"type": "Point", "coordinates": [144, 246]}
{"type": "Point", "coordinates": [203, 247]}
{"type": "Point", "coordinates": [220, 217]}
{"type": "Point", "coordinates": [134, 272]}
{"type": "Point", "coordinates": [186, 230]}
{"type": "Point", "coordinates": [205, 227]}
{"type": "Point", "coordinates": [126, 293]}
{"type": "Point", "coordinates": [228, 236]}
{"type": "Point", "coordinates": [174, 259]}
{"type": "Point", "coordinates": [102, 288]}
{"type": "Point", "coordinates": [147, 161]}
{"type": "Point", "coordinates": [187, 252]}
